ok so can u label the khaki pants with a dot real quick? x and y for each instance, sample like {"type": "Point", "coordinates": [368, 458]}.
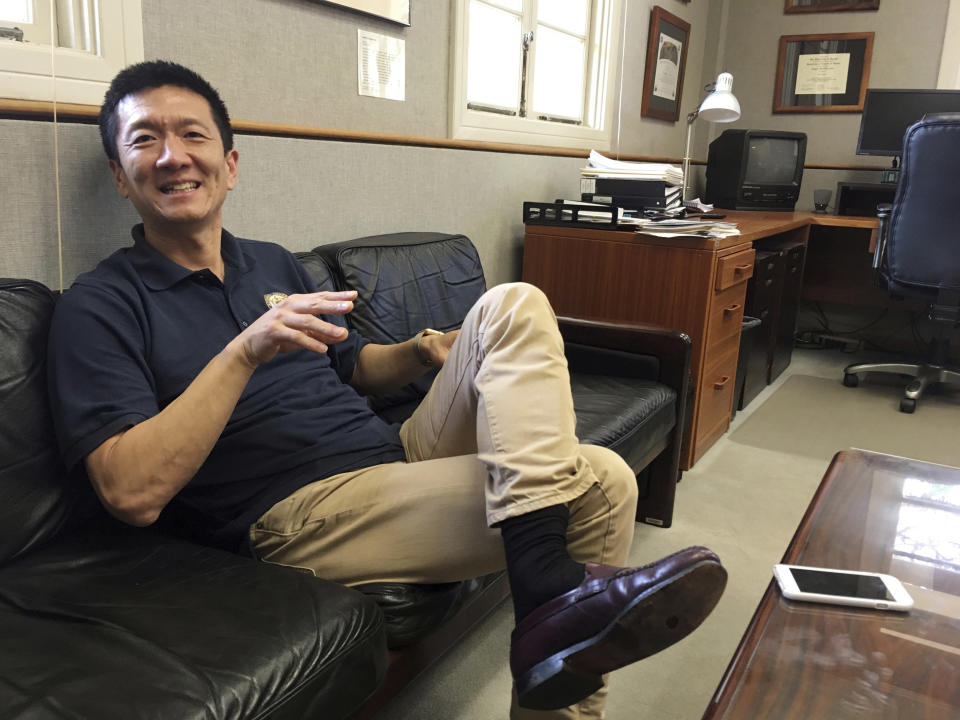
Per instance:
{"type": "Point", "coordinates": [493, 438]}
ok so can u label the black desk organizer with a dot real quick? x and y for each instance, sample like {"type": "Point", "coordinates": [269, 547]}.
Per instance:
{"type": "Point", "coordinates": [604, 217]}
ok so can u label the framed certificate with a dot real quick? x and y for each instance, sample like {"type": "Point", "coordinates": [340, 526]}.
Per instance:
{"type": "Point", "coordinates": [667, 47]}
{"type": "Point", "coordinates": [397, 11]}
{"type": "Point", "coordinates": [809, 6]}
{"type": "Point", "coordinates": [822, 73]}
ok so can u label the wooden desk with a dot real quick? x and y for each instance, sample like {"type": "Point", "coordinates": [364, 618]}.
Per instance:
{"type": "Point", "coordinates": [796, 661]}
{"type": "Point", "coordinates": [696, 285]}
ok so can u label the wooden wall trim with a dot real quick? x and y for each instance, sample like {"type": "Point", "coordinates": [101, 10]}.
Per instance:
{"type": "Point", "coordinates": [40, 110]}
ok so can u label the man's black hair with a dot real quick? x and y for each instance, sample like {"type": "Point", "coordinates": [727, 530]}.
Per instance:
{"type": "Point", "coordinates": [154, 74]}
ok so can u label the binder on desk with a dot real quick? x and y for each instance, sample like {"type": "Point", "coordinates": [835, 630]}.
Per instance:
{"type": "Point", "coordinates": [627, 187]}
{"type": "Point", "coordinates": [634, 202]}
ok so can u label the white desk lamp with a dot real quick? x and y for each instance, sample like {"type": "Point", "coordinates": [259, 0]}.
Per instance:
{"type": "Point", "coordinates": [720, 106]}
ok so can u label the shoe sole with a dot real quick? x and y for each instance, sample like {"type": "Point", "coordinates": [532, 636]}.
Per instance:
{"type": "Point", "coordinates": [662, 616]}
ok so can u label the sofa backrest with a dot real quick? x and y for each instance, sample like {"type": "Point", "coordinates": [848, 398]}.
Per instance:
{"type": "Point", "coordinates": [34, 503]}
{"type": "Point", "coordinates": [405, 282]}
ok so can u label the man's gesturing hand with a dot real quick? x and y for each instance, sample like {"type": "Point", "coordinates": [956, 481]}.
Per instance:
{"type": "Point", "coordinates": [292, 324]}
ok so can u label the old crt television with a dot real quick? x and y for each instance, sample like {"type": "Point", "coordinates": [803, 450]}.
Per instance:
{"type": "Point", "coordinates": [755, 169]}
{"type": "Point", "coordinates": [888, 113]}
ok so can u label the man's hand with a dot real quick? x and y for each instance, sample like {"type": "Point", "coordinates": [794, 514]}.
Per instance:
{"type": "Point", "coordinates": [437, 347]}
{"type": "Point", "coordinates": [291, 325]}
{"type": "Point", "coordinates": [384, 368]}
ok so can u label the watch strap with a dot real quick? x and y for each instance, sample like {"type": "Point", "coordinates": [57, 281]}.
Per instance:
{"type": "Point", "coordinates": [424, 359]}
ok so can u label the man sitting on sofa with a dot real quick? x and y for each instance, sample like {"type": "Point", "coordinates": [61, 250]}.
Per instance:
{"type": "Point", "coordinates": [194, 374]}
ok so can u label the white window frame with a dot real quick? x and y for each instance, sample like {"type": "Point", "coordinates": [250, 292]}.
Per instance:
{"type": "Point", "coordinates": [34, 71]}
{"type": "Point", "coordinates": [467, 124]}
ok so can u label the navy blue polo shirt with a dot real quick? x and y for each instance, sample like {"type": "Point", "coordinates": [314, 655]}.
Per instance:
{"type": "Point", "coordinates": [131, 335]}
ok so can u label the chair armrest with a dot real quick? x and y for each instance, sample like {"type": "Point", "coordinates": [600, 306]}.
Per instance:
{"type": "Point", "coordinates": [883, 219]}
{"type": "Point", "coordinates": [626, 349]}
{"type": "Point", "coordinates": [619, 345]}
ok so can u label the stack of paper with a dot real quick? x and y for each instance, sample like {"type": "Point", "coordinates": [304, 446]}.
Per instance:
{"type": "Point", "coordinates": [676, 227]}
{"type": "Point", "coordinates": [601, 165]}
{"type": "Point", "coordinates": [631, 185]}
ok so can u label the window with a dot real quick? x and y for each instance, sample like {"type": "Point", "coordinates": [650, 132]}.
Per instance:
{"type": "Point", "coordinates": [67, 50]}
{"type": "Point", "coordinates": [534, 71]}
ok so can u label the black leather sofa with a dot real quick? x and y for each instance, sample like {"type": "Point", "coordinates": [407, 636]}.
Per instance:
{"type": "Point", "coordinates": [104, 621]}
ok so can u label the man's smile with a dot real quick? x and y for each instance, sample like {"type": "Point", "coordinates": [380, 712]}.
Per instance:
{"type": "Point", "coordinates": [182, 187]}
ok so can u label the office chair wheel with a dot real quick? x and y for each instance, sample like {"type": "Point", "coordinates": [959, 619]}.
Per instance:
{"type": "Point", "coordinates": [851, 379]}
{"type": "Point", "coordinates": [907, 405]}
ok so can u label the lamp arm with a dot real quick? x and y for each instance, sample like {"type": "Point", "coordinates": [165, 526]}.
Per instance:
{"type": "Point", "coordinates": [686, 155]}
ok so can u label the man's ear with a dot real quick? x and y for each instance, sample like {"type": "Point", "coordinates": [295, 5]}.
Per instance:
{"type": "Point", "coordinates": [119, 178]}
{"type": "Point", "coordinates": [231, 159]}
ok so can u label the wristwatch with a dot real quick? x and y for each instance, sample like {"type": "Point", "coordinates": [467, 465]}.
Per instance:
{"type": "Point", "coordinates": [424, 359]}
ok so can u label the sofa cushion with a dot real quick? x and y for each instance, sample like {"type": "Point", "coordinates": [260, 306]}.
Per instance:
{"type": "Point", "coordinates": [321, 274]}
{"type": "Point", "coordinates": [34, 505]}
{"type": "Point", "coordinates": [127, 624]}
{"type": "Point", "coordinates": [407, 281]}
{"type": "Point", "coordinates": [628, 415]}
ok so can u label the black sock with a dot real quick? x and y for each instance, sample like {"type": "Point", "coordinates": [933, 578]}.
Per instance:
{"type": "Point", "coordinates": [538, 565]}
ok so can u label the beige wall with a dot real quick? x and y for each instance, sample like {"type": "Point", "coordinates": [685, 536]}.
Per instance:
{"type": "Point", "coordinates": [294, 61]}
{"type": "Point", "coordinates": [908, 38]}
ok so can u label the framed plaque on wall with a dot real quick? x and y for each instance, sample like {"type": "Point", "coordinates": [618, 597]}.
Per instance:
{"type": "Point", "coordinates": [397, 11]}
{"type": "Point", "coordinates": [667, 46]}
{"type": "Point", "coordinates": [822, 73]}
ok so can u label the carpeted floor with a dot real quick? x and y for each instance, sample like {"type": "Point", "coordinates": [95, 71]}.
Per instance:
{"type": "Point", "coordinates": [816, 417]}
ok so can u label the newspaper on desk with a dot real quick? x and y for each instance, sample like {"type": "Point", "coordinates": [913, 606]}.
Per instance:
{"type": "Point", "coordinates": [677, 227]}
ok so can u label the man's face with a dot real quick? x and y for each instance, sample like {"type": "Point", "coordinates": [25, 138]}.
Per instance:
{"type": "Point", "coordinates": [172, 164]}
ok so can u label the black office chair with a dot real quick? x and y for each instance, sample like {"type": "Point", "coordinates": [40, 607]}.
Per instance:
{"type": "Point", "coordinates": [918, 250]}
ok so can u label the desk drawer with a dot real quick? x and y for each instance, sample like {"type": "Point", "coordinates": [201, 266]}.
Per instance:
{"type": "Point", "coordinates": [716, 394]}
{"type": "Point", "coordinates": [726, 315]}
{"type": "Point", "coordinates": [734, 269]}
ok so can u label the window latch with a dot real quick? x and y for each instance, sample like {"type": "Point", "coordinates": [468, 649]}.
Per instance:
{"type": "Point", "coordinates": [526, 40]}
{"type": "Point", "coordinates": [11, 33]}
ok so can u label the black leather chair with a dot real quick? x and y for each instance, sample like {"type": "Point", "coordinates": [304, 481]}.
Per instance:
{"type": "Point", "coordinates": [918, 251]}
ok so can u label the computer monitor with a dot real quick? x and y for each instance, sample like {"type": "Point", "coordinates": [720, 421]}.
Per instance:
{"type": "Point", "coordinates": [888, 113]}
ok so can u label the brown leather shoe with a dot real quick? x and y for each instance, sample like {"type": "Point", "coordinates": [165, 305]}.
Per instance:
{"type": "Point", "coordinates": [616, 616]}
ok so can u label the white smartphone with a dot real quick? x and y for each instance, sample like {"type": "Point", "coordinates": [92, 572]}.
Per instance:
{"type": "Point", "coordinates": [842, 587]}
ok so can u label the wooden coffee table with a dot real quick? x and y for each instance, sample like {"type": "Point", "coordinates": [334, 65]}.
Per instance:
{"type": "Point", "coordinates": [807, 661]}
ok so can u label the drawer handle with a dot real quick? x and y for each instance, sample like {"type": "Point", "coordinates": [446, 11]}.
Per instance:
{"type": "Point", "coordinates": [742, 268]}
{"type": "Point", "coordinates": [733, 308]}
{"type": "Point", "coordinates": [721, 382]}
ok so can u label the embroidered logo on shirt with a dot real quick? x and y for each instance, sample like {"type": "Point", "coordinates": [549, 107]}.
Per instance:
{"type": "Point", "coordinates": [273, 299]}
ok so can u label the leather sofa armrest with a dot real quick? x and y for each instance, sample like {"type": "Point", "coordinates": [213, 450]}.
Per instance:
{"type": "Point", "coordinates": [625, 349]}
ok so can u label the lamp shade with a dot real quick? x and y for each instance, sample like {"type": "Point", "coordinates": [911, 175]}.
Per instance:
{"type": "Point", "coordinates": [721, 105]}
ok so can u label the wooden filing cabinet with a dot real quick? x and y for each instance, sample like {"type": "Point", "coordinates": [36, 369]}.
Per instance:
{"type": "Point", "coordinates": [696, 285]}
{"type": "Point", "coordinates": [717, 381]}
